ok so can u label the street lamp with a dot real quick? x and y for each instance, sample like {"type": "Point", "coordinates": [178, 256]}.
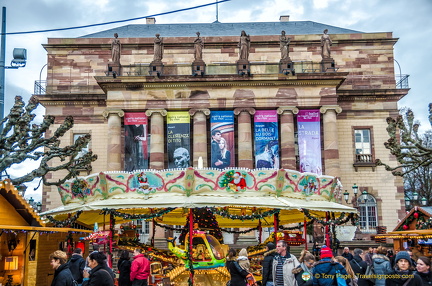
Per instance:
{"type": "Point", "coordinates": [415, 201]}
{"type": "Point", "coordinates": [355, 192]}
{"type": "Point", "coordinates": [39, 207]}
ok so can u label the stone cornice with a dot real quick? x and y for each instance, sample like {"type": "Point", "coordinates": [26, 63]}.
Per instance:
{"type": "Point", "coordinates": [205, 111]}
{"type": "Point", "coordinates": [326, 108]}
{"type": "Point", "coordinates": [150, 112]}
{"type": "Point", "coordinates": [287, 110]}
{"type": "Point", "coordinates": [106, 113]}
{"type": "Point", "coordinates": [249, 110]}
{"type": "Point", "coordinates": [372, 94]}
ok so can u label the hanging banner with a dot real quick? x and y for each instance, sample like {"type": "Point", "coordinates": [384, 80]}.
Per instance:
{"type": "Point", "coordinates": [309, 141]}
{"type": "Point", "coordinates": [178, 139]}
{"type": "Point", "coordinates": [136, 141]}
{"type": "Point", "coordinates": [266, 139]}
{"type": "Point", "coordinates": [222, 139]}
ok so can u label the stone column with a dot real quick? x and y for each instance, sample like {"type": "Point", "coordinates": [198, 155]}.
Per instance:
{"type": "Point", "coordinates": [245, 148]}
{"type": "Point", "coordinates": [114, 152]}
{"type": "Point", "coordinates": [331, 145]}
{"type": "Point", "coordinates": [157, 138]}
{"type": "Point", "coordinates": [287, 146]}
{"type": "Point", "coordinates": [199, 135]}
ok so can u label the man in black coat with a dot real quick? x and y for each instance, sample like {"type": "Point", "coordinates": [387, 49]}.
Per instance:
{"type": "Point", "coordinates": [346, 253]}
{"type": "Point", "coordinates": [359, 267]}
{"type": "Point", "coordinates": [267, 264]}
{"type": "Point", "coordinates": [76, 265]}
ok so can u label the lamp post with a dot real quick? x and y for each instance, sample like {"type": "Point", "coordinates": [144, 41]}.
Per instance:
{"type": "Point", "coordinates": [354, 202]}
{"type": "Point", "coordinates": [415, 200]}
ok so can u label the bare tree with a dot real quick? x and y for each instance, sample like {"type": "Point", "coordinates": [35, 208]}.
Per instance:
{"type": "Point", "coordinates": [21, 139]}
{"type": "Point", "coordinates": [411, 150]}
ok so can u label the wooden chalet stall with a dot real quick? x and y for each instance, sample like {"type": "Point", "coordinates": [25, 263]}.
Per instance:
{"type": "Point", "coordinates": [26, 241]}
{"type": "Point", "coordinates": [414, 230]}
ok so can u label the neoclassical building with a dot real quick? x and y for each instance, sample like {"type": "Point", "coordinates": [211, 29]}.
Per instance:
{"type": "Point", "coordinates": [304, 100]}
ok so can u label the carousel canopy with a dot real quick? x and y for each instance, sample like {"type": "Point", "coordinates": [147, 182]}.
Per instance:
{"type": "Point", "coordinates": [238, 197]}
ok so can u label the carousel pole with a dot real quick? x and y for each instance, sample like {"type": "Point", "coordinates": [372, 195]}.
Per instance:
{"type": "Point", "coordinates": [276, 226]}
{"type": "Point", "coordinates": [327, 239]}
{"type": "Point", "coordinates": [259, 231]}
{"type": "Point", "coordinates": [191, 223]}
{"type": "Point", "coordinates": [305, 233]}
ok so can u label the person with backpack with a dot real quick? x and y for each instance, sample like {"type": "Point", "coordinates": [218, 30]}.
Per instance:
{"type": "Point", "coordinates": [325, 270]}
{"type": "Point", "coordinates": [76, 265]}
{"type": "Point", "coordinates": [62, 275]}
{"type": "Point", "coordinates": [359, 267]}
{"type": "Point", "coordinates": [124, 268]}
{"type": "Point", "coordinates": [381, 265]}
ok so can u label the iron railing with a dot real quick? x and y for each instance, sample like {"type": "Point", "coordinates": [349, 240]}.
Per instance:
{"type": "Point", "coordinates": [402, 81]}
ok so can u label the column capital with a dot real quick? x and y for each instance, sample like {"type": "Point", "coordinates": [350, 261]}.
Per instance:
{"type": "Point", "coordinates": [106, 113]}
{"type": "Point", "coordinates": [325, 108]}
{"type": "Point", "coordinates": [249, 110]}
{"type": "Point", "coordinates": [286, 109]}
{"type": "Point", "coordinates": [206, 111]}
{"type": "Point", "coordinates": [150, 112]}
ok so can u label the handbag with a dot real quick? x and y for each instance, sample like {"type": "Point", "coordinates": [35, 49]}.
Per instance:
{"type": "Point", "coordinates": [340, 280]}
{"type": "Point", "coordinates": [250, 279]}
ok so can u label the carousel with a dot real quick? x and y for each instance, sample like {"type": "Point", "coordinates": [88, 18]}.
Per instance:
{"type": "Point", "coordinates": [204, 202]}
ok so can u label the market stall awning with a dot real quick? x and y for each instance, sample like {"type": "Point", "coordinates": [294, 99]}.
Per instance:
{"type": "Point", "coordinates": [151, 192]}
{"type": "Point", "coordinates": [43, 229]}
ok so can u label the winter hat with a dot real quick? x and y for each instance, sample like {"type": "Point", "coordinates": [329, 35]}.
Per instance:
{"type": "Point", "coordinates": [271, 246]}
{"type": "Point", "coordinates": [326, 252]}
{"type": "Point", "coordinates": [403, 255]}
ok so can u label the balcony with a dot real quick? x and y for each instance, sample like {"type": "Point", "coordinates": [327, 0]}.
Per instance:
{"type": "Point", "coordinates": [402, 81]}
{"type": "Point", "coordinates": [364, 160]}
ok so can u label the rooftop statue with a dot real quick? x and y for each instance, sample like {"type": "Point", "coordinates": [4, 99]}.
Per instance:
{"type": "Point", "coordinates": [284, 45]}
{"type": "Point", "coordinates": [158, 48]}
{"type": "Point", "coordinates": [325, 45]}
{"type": "Point", "coordinates": [244, 46]}
{"type": "Point", "coordinates": [198, 47]}
{"type": "Point", "coordinates": [115, 49]}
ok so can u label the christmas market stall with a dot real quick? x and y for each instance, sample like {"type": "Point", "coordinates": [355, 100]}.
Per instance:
{"type": "Point", "coordinates": [26, 241]}
{"type": "Point", "coordinates": [413, 231]}
{"type": "Point", "coordinates": [203, 203]}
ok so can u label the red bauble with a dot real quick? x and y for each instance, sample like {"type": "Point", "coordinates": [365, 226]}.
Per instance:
{"type": "Point", "coordinates": [416, 215]}
{"type": "Point", "coordinates": [405, 227]}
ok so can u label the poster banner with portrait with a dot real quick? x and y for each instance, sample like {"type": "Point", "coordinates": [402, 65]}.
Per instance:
{"type": "Point", "coordinates": [266, 139]}
{"type": "Point", "coordinates": [309, 141]}
{"type": "Point", "coordinates": [178, 139]}
{"type": "Point", "coordinates": [222, 139]}
{"type": "Point", "coordinates": [136, 141]}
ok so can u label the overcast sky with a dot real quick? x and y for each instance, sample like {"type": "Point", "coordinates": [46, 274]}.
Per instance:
{"type": "Point", "coordinates": [410, 21]}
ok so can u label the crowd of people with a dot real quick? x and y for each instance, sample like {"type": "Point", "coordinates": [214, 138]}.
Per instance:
{"type": "Point", "coordinates": [375, 266]}
{"type": "Point", "coordinates": [94, 270]}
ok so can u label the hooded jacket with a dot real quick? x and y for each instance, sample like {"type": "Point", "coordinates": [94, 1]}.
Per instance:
{"type": "Point", "coordinates": [324, 272]}
{"type": "Point", "coordinates": [381, 264]}
{"type": "Point", "coordinates": [303, 275]}
{"type": "Point", "coordinates": [76, 266]}
{"type": "Point", "coordinates": [140, 268]}
{"type": "Point", "coordinates": [267, 273]}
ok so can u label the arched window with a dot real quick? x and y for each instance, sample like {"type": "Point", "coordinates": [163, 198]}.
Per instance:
{"type": "Point", "coordinates": [368, 213]}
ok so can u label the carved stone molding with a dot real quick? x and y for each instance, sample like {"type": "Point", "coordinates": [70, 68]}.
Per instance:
{"type": "Point", "coordinates": [286, 109]}
{"type": "Point", "coordinates": [107, 112]}
{"type": "Point", "coordinates": [195, 110]}
{"type": "Point", "coordinates": [249, 110]}
{"type": "Point", "coordinates": [162, 112]}
{"type": "Point", "coordinates": [336, 108]}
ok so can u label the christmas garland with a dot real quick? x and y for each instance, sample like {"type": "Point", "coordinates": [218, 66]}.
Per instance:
{"type": "Point", "coordinates": [137, 216]}
{"type": "Point", "coordinates": [66, 222]}
{"type": "Point", "coordinates": [224, 213]}
{"type": "Point", "coordinates": [299, 226]}
{"type": "Point", "coordinates": [343, 218]}
{"type": "Point", "coordinates": [422, 221]}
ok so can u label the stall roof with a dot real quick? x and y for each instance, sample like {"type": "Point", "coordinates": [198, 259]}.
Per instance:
{"type": "Point", "coordinates": [43, 229]}
{"type": "Point", "coordinates": [425, 210]}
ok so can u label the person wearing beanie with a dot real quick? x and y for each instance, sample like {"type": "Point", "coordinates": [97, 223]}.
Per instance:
{"type": "Point", "coordinates": [403, 273]}
{"type": "Point", "coordinates": [283, 265]}
{"type": "Point", "coordinates": [62, 275]}
{"type": "Point", "coordinates": [325, 270]}
{"type": "Point", "coordinates": [269, 255]}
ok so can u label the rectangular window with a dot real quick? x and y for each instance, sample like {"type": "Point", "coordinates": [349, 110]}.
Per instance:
{"type": "Point", "coordinates": [363, 147]}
